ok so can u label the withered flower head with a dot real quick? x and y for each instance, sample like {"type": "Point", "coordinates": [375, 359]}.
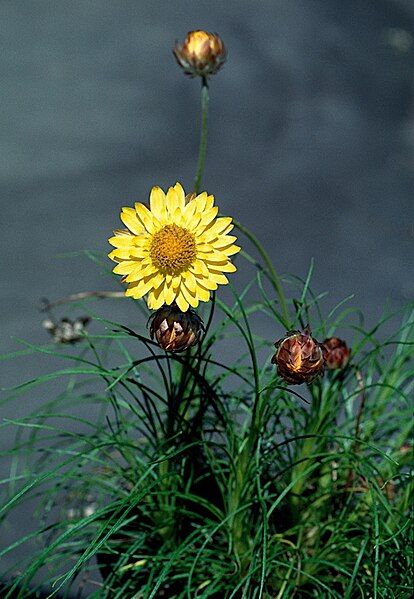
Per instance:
{"type": "Point", "coordinates": [299, 357]}
{"type": "Point", "coordinates": [201, 54]}
{"type": "Point", "coordinates": [66, 330]}
{"type": "Point", "coordinates": [336, 353]}
{"type": "Point", "coordinates": [174, 330]}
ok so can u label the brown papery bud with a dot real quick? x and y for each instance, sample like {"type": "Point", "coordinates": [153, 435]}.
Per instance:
{"type": "Point", "coordinates": [201, 54]}
{"type": "Point", "coordinates": [299, 357]}
{"type": "Point", "coordinates": [336, 353]}
{"type": "Point", "coordinates": [174, 330]}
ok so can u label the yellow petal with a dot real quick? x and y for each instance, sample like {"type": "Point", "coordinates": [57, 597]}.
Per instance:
{"type": "Point", "coordinates": [178, 218]}
{"type": "Point", "coordinates": [138, 274]}
{"type": "Point", "coordinates": [123, 232]}
{"type": "Point", "coordinates": [199, 268]}
{"type": "Point", "coordinates": [221, 226]}
{"type": "Point", "coordinates": [145, 216]}
{"type": "Point", "coordinates": [207, 217]}
{"type": "Point", "coordinates": [176, 282]}
{"type": "Point", "coordinates": [155, 299]}
{"type": "Point", "coordinates": [193, 222]}
{"type": "Point", "coordinates": [190, 280]}
{"type": "Point", "coordinates": [140, 288]}
{"type": "Point", "coordinates": [203, 294]}
{"type": "Point", "coordinates": [205, 247]}
{"type": "Point", "coordinates": [169, 295]}
{"type": "Point", "coordinates": [217, 277]}
{"type": "Point", "coordinates": [180, 195]}
{"type": "Point", "coordinates": [201, 202]}
{"type": "Point", "coordinates": [121, 241]}
{"type": "Point", "coordinates": [182, 303]}
{"type": "Point", "coordinates": [158, 203]}
{"type": "Point", "coordinates": [158, 279]}
{"type": "Point", "coordinates": [189, 297]}
{"type": "Point", "coordinates": [172, 201]}
{"type": "Point", "coordinates": [124, 268]}
{"type": "Point", "coordinates": [209, 202]}
{"type": "Point", "coordinates": [212, 256]}
{"type": "Point", "coordinates": [231, 250]}
{"type": "Point", "coordinates": [207, 282]}
{"type": "Point", "coordinates": [189, 211]}
{"type": "Point", "coordinates": [119, 255]}
{"type": "Point", "coordinates": [222, 266]}
{"type": "Point", "coordinates": [142, 240]}
{"type": "Point", "coordinates": [223, 241]}
{"type": "Point", "coordinates": [129, 218]}
{"type": "Point", "coordinates": [139, 252]}
{"type": "Point", "coordinates": [140, 263]}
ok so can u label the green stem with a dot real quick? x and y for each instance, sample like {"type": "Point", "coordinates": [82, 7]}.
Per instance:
{"type": "Point", "coordinates": [320, 417]}
{"type": "Point", "coordinates": [203, 136]}
{"type": "Point", "coordinates": [274, 278]}
{"type": "Point", "coordinates": [197, 183]}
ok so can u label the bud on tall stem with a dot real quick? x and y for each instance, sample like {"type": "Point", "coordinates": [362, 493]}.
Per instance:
{"type": "Point", "coordinates": [202, 53]}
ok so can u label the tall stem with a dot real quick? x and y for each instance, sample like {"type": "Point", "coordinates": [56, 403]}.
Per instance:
{"type": "Point", "coordinates": [203, 136]}
{"type": "Point", "coordinates": [274, 277]}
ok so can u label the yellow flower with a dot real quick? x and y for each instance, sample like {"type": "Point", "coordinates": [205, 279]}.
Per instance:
{"type": "Point", "coordinates": [176, 251]}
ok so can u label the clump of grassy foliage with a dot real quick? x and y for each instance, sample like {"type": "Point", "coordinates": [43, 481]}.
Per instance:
{"type": "Point", "coordinates": [154, 474]}
{"type": "Point", "coordinates": [201, 479]}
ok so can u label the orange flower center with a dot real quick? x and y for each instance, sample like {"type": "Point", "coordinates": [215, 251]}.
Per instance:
{"type": "Point", "coordinates": [173, 249]}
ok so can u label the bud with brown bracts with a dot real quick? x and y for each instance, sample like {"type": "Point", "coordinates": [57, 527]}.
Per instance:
{"type": "Point", "coordinates": [336, 353]}
{"type": "Point", "coordinates": [174, 330]}
{"type": "Point", "coordinates": [202, 53]}
{"type": "Point", "coordinates": [299, 357]}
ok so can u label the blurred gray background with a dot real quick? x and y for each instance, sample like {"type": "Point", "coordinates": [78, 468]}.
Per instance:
{"type": "Point", "coordinates": [310, 142]}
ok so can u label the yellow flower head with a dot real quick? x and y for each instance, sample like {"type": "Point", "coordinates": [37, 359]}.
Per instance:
{"type": "Point", "coordinates": [176, 251]}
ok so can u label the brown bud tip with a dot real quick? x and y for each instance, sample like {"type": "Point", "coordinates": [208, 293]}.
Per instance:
{"type": "Point", "coordinates": [406, 448]}
{"type": "Point", "coordinates": [336, 353]}
{"type": "Point", "coordinates": [176, 331]}
{"type": "Point", "coordinates": [201, 54]}
{"type": "Point", "coordinates": [299, 357]}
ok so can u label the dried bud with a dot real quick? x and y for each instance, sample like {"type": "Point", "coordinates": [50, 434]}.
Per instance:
{"type": "Point", "coordinates": [174, 330]}
{"type": "Point", "coordinates": [299, 357]}
{"type": "Point", "coordinates": [66, 331]}
{"type": "Point", "coordinates": [406, 448]}
{"type": "Point", "coordinates": [336, 353]}
{"type": "Point", "coordinates": [202, 53]}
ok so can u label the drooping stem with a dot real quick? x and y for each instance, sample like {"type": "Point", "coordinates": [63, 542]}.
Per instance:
{"type": "Point", "coordinates": [203, 136]}
{"type": "Point", "coordinates": [75, 297]}
{"type": "Point", "coordinates": [274, 277]}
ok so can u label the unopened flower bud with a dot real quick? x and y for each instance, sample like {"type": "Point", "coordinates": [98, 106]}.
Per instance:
{"type": "Point", "coordinates": [201, 54]}
{"type": "Point", "coordinates": [174, 330]}
{"type": "Point", "coordinates": [299, 357]}
{"type": "Point", "coordinates": [336, 353]}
